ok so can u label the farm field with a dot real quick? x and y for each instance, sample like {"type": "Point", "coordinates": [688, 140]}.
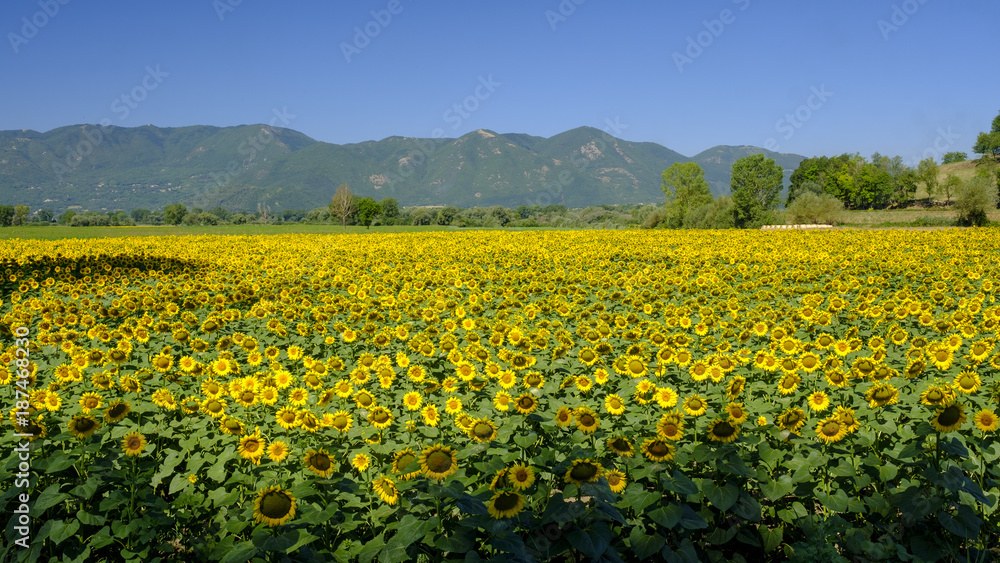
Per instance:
{"type": "Point", "coordinates": [541, 395]}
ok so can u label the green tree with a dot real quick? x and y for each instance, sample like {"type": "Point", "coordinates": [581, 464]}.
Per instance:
{"type": "Point", "coordinates": [390, 208]}
{"type": "Point", "coordinates": [756, 183]}
{"type": "Point", "coordinates": [685, 188]}
{"type": "Point", "coordinates": [45, 215]}
{"type": "Point", "coordinates": [21, 212]}
{"type": "Point", "coordinates": [67, 217]}
{"type": "Point", "coordinates": [368, 208]}
{"type": "Point", "coordinates": [973, 199]}
{"type": "Point", "coordinates": [950, 186]}
{"type": "Point", "coordinates": [342, 204]}
{"type": "Point", "coordinates": [141, 215]}
{"type": "Point", "coordinates": [6, 215]}
{"type": "Point", "coordinates": [952, 157]}
{"type": "Point", "coordinates": [927, 172]}
{"type": "Point", "coordinates": [446, 215]}
{"type": "Point", "coordinates": [988, 143]}
{"type": "Point", "coordinates": [174, 213]}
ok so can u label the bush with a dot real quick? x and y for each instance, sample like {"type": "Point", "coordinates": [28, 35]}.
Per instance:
{"type": "Point", "coordinates": [720, 214]}
{"type": "Point", "coordinates": [973, 199]}
{"type": "Point", "coordinates": [812, 208]}
{"type": "Point", "coordinates": [655, 219]}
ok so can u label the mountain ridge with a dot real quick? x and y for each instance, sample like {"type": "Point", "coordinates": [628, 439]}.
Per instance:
{"type": "Point", "coordinates": [239, 167]}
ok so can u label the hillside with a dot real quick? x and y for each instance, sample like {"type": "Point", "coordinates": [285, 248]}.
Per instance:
{"type": "Point", "coordinates": [90, 167]}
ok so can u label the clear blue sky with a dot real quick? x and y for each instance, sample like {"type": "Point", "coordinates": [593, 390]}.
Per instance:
{"type": "Point", "coordinates": [897, 87]}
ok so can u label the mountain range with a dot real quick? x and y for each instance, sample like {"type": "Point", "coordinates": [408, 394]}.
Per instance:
{"type": "Point", "coordinates": [93, 167]}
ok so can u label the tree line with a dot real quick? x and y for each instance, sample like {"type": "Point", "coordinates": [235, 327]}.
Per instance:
{"type": "Point", "coordinates": [823, 186]}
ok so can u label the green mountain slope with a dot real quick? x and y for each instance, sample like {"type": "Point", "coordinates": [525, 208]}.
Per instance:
{"type": "Point", "coordinates": [241, 167]}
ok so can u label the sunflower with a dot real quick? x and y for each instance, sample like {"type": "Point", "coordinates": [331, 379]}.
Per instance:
{"type": "Point", "coordinates": [882, 394]}
{"type": "Point", "coordinates": [789, 383]}
{"type": "Point", "coordinates": [695, 405]}
{"type": "Point", "coordinates": [671, 426]}
{"type": "Point", "coordinates": [133, 443]}
{"type": "Point", "coordinates": [526, 403]}
{"type": "Point", "coordinates": [620, 445]}
{"type": "Point", "coordinates": [601, 376]}
{"type": "Point", "coordinates": [412, 400]}
{"type": "Point", "coordinates": [438, 461]}
{"type": "Point", "coordinates": [655, 449]}
{"type": "Point", "coordinates": [847, 417]}
{"type": "Point", "coordinates": [583, 383]}
{"type": "Point", "coordinates": [737, 413]}
{"type": "Point", "coordinates": [791, 419]}
{"type": "Point", "coordinates": [502, 401]}
{"type": "Point", "coordinates": [364, 399]}
{"type": "Point", "coordinates": [404, 459]}
{"type": "Point", "coordinates": [520, 476]}
{"type": "Point", "coordinates": [831, 429]}
{"type": "Point", "coordinates": [967, 382]}
{"type": "Point", "coordinates": [735, 387]}
{"type": "Point", "coordinates": [616, 480]}
{"type": "Point", "coordinates": [950, 418]}
{"type": "Point", "coordinates": [89, 402]}
{"type": "Point", "coordinates": [614, 405]}
{"type": "Point", "coordinates": [278, 451]}
{"type": "Point", "coordinates": [230, 425]}
{"type": "Point", "coordinates": [162, 362]}
{"type": "Point", "coordinates": [252, 447]}
{"type": "Point", "coordinates": [665, 397]}
{"type": "Point", "coordinates": [386, 489]}
{"type": "Point", "coordinates": [723, 430]}
{"type": "Point", "coordinates": [986, 420]}
{"type": "Point", "coordinates": [453, 405]}
{"type": "Point", "coordinates": [818, 401]}
{"type": "Point", "coordinates": [482, 430]}
{"type": "Point", "coordinates": [586, 421]}
{"type": "Point", "coordinates": [83, 426]}
{"type": "Point", "coordinates": [430, 415]}
{"type": "Point", "coordinates": [287, 418]}
{"type": "Point", "coordinates": [380, 418]}
{"type": "Point", "coordinates": [117, 410]}
{"type": "Point", "coordinates": [273, 506]}
{"type": "Point", "coordinates": [361, 462]}
{"type": "Point", "coordinates": [941, 358]}
{"type": "Point", "coordinates": [588, 356]}
{"type": "Point", "coordinates": [583, 470]}
{"type": "Point", "coordinates": [319, 462]}
{"type": "Point", "coordinates": [505, 504]}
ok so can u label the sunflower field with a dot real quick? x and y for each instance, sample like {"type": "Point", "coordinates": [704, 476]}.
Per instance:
{"type": "Point", "coordinates": [508, 396]}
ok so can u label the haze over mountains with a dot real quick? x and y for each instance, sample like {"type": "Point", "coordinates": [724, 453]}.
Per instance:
{"type": "Point", "coordinates": [106, 168]}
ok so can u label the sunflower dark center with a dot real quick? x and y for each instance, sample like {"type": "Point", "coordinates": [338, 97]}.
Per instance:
{"type": "Point", "coordinates": [588, 420]}
{"type": "Point", "coordinates": [583, 471]}
{"type": "Point", "coordinates": [85, 424]}
{"type": "Point", "coordinates": [506, 501]}
{"type": "Point", "coordinates": [724, 429]}
{"type": "Point", "coordinates": [439, 462]}
{"type": "Point", "coordinates": [275, 505]}
{"type": "Point", "coordinates": [482, 430]}
{"type": "Point", "coordinates": [321, 462]}
{"type": "Point", "coordinates": [118, 410]}
{"type": "Point", "coordinates": [658, 449]}
{"type": "Point", "coordinates": [949, 416]}
{"type": "Point", "coordinates": [831, 428]}
{"type": "Point", "coordinates": [967, 382]}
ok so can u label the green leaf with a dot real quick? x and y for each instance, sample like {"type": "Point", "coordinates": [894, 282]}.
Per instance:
{"type": "Point", "coordinates": [642, 545]}
{"type": "Point", "coordinates": [887, 471]}
{"type": "Point", "coordinates": [772, 538]}
{"type": "Point", "coordinates": [526, 440]}
{"type": "Point", "coordinates": [178, 482]}
{"type": "Point", "coordinates": [49, 497]}
{"type": "Point", "coordinates": [778, 488]}
{"type": "Point", "coordinates": [836, 502]}
{"type": "Point", "coordinates": [61, 530]}
{"type": "Point", "coordinates": [667, 516]}
{"type": "Point", "coordinates": [240, 553]}
{"type": "Point", "coordinates": [637, 497]}
{"type": "Point", "coordinates": [166, 467]}
{"type": "Point", "coordinates": [593, 541]}
{"type": "Point", "coordinates": [964, 523]}
{"type": "Point", "coordinates": [748, 508]}
{"type": "Point", "coordinates": [679, 483]}
{"type": "Point", "coordinates": [723, 497]}
{"type": "Point", "coordinates": [410, 530]}
{"type": "Point", "coordinates": [691, 520]}
{"type": "Point", "coordinates": [58, 461]}
{"type": "Point", "coordinates": [101, 538]}
{"type": "Point", "coordinates": [90, 519]}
